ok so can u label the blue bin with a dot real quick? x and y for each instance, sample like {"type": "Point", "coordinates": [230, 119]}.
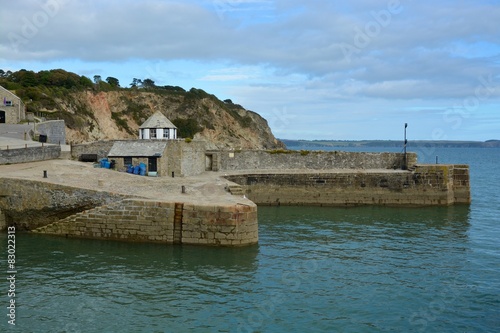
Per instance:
{"type": "Point", "coordinates": [136, 170]}
{"type": "Point", "coordinates": [103, 162]}
{"type": "Point", "coordinates": [107, 164]}
{"type": "Point", "coordinates": [142, 169]}
{"type": "Point", "coordinates": [130, 168]}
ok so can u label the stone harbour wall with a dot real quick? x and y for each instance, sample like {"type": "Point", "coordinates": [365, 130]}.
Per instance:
{"type": "Point", "coordinates": [220, 225]}
{"type": "Point", "coordinates": [162, 222]}
{"type": "Point", "coordinates": [3, 221]}
{"type": "Point", "coordinates": [29, 204]}
{"type": "Point", "coordinates": [56, 209]}
{"type": "Point", "coordinates": [426, 186]}
{"type": "Point", "coordinates": [316, 160]}
{"type": "Point", "coordinates": [129, 219]}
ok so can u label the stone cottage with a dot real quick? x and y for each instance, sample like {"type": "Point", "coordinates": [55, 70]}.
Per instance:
{"type": "Point", "coordinates": [12, 109]}
{"type": "Point", "coordinates": [173, 158]}
{"type": "Point", "coordinates": [160, 150]}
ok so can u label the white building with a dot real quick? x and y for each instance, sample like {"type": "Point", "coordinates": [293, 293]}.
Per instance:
{"type": "Point", "coordinates": [158, 127]}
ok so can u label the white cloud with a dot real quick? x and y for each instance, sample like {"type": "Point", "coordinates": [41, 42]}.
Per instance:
{"type": "Point", "coordinates": [280, 53]}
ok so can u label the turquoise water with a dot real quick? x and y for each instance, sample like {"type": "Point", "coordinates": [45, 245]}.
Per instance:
{"type": "Point", "coordinates": [366, 269]}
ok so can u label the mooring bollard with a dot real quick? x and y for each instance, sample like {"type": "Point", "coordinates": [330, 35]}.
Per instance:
{"type": "Point", "coordinates": [44, 173]}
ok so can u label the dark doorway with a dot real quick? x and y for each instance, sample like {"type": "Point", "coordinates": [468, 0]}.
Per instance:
{"type": "Point", "coordinates": [152, 164]}
{"type": "Point", "coordinates": [209, 160]}
{"type": "Point", "coordinates": [2, 117]}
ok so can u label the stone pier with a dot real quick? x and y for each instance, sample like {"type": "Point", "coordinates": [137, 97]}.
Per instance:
{"type": "Point", "coordinates": [213, 208]}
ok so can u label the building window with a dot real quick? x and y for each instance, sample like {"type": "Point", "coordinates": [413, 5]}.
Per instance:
{"type": "Point", "coordinates": [152, 133]}
{"type": "Point", "coordinates": [166, 133]}
{"type": "Point", "coordinates": [127, 161]}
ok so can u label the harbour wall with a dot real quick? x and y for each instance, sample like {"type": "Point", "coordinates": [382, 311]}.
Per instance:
{"type": "Point", "coordinates": [315, 160]}
{"type": "Point", "coordinates": [162, 222]}
{"type": "Point", "coordinates": [29, 154]}
{"type": "Point", "coordinates": [56, 209]}
{"type": "Point", "coordinates": [427, 185]}
{"type": "Point", "coordinates": [29, 204]}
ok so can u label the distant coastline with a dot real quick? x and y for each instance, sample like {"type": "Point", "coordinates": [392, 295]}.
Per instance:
{"type": "Point", "coordinates": [390, 143]}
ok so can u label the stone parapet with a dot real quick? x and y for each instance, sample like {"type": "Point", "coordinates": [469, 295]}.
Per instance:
{"type": "Point", "coordinates": [315, 160]}
{"type": "Point", "coordinates": [29, 154]}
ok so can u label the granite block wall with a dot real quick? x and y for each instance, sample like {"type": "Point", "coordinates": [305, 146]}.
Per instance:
{"type": "Point", "coordinates": [316, 160]}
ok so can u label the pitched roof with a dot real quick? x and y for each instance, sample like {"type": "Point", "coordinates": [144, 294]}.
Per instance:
{"type": "Point", "coordinates": [158, 120]}
{"type": "Point", "coordinates": [139, 148]}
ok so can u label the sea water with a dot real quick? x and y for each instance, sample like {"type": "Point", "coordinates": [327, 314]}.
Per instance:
{"type": "Point", "coordinates": [362, 269]}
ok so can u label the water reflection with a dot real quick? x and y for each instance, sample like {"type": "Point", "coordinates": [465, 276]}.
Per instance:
{"type": "Point", "coordinates": [96, 255]}
{"type": "Point", "coordinates": [310, 222]}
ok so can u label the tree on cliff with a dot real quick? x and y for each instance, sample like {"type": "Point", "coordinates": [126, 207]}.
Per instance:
{"type": "Point", "coordinates": [136, 83]}
{"type": "Point", "coordinates": [113, 81]}
{"type": "Point", "coordinates": [148, 83]}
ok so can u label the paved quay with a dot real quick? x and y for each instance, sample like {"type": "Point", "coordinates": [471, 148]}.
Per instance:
{"type": "Point", "coordinates": [207, 188]}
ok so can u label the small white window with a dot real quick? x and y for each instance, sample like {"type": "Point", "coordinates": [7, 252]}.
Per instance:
{"type": "Point", "coordinates": [152, 133]}
{"type": "Point", "coordinates": [166, 133]}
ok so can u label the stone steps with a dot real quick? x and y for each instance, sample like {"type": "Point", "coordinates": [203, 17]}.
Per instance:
{"type": "Point", "coordinates": [236, 190]}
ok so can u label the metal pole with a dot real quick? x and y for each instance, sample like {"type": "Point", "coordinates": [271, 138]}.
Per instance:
{"type": "Point", "coordinates": [405, 166]}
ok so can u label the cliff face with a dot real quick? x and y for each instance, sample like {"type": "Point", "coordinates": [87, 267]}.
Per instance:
{"type": "Point", "coordinates": [91, 116]}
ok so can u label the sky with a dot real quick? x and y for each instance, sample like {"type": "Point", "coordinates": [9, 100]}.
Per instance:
{"type": "Point", "coordinates": [315, 69]}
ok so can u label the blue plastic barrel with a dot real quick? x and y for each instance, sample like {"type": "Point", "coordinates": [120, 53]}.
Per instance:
{"type": "Point", "coordinates": [142, 169]}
